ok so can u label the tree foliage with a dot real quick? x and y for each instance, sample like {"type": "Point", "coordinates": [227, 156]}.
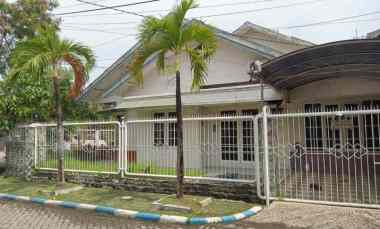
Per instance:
{"type": "Point", "coordinates": [27, 98]}
{"type": "Point", "coordinates": [20, 20]}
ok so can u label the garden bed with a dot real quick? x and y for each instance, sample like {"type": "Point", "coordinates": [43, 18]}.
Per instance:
{"type": "Point", "coordinates": [114, 198]}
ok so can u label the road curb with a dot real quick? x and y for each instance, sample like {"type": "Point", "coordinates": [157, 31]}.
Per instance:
{"type": "Point", "coordinates": [150, 217]}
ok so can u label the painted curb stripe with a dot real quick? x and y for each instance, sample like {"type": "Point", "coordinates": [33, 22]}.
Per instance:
{"type": "Point", "coordinates": [68, 205]}
{"type": "Point", "coordinates": [23, 198]}
{"type": "Point", "coordinates": [134, 214]}
{"type": "Point", "coordinates": [105, 210]}
{"type": "Point", "coordinates": [197, 221]}
{"type": "Point", "coordinates": [37, 200]}
{"type": "Point", "coordinates": [228, 219]}
{"type": "Point", "coordinates": [148, 217]}
{"type": "Point", "coordinates": [87, 206]}
{"type": "Point", "coordinates": [8, 197]}
{"type": "Point", "coordinates": [126, 213]}
{"type": "Point", "coordinates": [173, 219]}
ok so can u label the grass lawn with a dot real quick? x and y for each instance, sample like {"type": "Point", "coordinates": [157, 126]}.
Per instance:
{"type": "Point", "coordinates": [112, 166]}
{"type": "Point", "coordinates": [112, 198]}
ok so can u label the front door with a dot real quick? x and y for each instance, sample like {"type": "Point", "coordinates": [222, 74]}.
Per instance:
{"type": "Point", "coordinates": [237, 140]}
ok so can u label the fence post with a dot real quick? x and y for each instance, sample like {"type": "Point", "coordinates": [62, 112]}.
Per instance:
{"type": "Point", "coordinates": [257, 154]}
{"type": "Point", "coordinates": [266, 158]}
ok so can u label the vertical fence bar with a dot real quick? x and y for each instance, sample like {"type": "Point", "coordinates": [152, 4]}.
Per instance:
{"type": "Point", "coordinates": [35, 146]}
{"type": "Point", "coordinates": [124, 142]}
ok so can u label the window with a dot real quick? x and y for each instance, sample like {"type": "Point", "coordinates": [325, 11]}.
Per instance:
{"type": "Point", "coordinates": [352, 135]}
{"type": "Point", "coordinates": [172, 138]}
{"type": "Point", "coordinates": [346, 131]}
{"type": "Point", "coordinates": [165, 132]}
{"type": "Point", "coordinates": [248, 137]}
{"type": "Point", "coordinates": [372, 125]}
{"type": "Point", "coordinates": [159, 130]}
{"type": "Point", "coordinates": [313, 127]}
{"type": "Point", "coordinates": [332, 133]}
{"type": "Point", "coordinates": [229, 138]}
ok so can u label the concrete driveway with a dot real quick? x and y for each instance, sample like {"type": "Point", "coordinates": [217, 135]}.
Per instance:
{"type": "Point", "coordinates": [296, 215]}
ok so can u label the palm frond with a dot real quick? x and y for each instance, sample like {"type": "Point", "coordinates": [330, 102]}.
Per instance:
{"type": "Point", "coordinates": [158, 45]}
{"type": "Point", "coordinates": [199, 67]}
{"type": "Point", "coordinates": [201, 36]}
{"type": "Point", "coordinates": [82, 52]}
{"type": "Point", "coordinates": [80, 76]}
{"type": "Point", "coordinates": [160, 63]}
{"type": "Point", "coordinates": [200, 44]}
{"type": "Point", "coordinates": [39, 55]}
{"type": "Point", "coordinates": [182, 9]}
{"type": "Point", "coordinates": [149, 28]}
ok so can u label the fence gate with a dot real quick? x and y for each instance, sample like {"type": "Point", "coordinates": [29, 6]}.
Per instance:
{"type": "Point", "coordinates": [325, 157]}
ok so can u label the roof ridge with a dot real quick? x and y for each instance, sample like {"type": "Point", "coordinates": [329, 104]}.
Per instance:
{"type": "Point", "coordinates": [272, 32]}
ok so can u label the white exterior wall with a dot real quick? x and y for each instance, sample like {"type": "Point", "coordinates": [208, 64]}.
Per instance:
{"type": "Point", "coordinates": [336, 89]}
{"type": "Point", "coordinates": [141, 140]}
{"type": "Point", "coordinates": [230, 64]}
{"type": "Point", "coordinates": [202, 139]}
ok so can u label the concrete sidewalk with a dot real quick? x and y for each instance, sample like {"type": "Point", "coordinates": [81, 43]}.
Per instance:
{"type": "Point", "coordinates": [296, 215]}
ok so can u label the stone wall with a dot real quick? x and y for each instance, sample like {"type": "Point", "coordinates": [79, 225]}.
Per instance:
{"type": "Point", "coordinates": [217, 189]}
{"type": "Point", "coordinates": [19, 153]}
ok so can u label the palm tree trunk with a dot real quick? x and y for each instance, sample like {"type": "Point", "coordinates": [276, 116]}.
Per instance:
{"type": "Point", "coordinates": [60, 131]}
{"type": "Point", "coordinates": [179, 130]}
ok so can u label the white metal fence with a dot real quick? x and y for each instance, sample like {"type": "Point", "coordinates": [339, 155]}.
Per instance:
{"type": "Point", "coordinates": [214, 147]}
{"type": "Point", "coordinates": [325, 157]}
{"type": "Point", "coordinates": [217, 148]}
{"type": "Point", "coordinates": [88, 147]}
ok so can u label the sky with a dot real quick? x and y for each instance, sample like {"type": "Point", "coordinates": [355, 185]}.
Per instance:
{"type": "Point", "coordinates": [111, 33]}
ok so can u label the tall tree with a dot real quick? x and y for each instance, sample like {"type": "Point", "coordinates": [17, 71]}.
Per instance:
{"type": "Point", "coordinates": [45, 55]}
{"type": "Point", "coordinates": [29, 98]}
{"type": "Point", "coordinates": [174, 35]}
{"type": "Point", "coordinates": [20, 20]}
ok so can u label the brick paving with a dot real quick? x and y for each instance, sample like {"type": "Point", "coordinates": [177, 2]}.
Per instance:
{"type": "Point", "coordinates": [15, 215]}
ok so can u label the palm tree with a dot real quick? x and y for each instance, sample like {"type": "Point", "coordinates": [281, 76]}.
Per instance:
{"type": "Point", "coordinates": [46, 55]}
{"type": "Point", "coordinates": [174, 35]}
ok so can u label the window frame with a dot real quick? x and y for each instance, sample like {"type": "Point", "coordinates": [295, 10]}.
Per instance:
{"type": "Point", "coordinates": [168, 132]}
{"type": "Point", "coordinates": [243, 154]}
{"type": "Point", "coordinates": [361, 123]}
{"type": "Point", "coordinates": [159, 135]}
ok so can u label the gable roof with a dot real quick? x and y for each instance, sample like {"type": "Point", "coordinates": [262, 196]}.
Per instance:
{"type": "Point", "coordinates": [374, 34]}
{"type": "Point", "coordinates": [279, 36]}
{"type": "Point", "coordinates": [259, 48]}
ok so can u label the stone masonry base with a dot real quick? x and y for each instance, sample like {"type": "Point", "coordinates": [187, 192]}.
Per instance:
{"type": "Point", "coordinates": [216, 189]}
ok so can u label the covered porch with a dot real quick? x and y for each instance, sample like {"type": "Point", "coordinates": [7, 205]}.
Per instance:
{"type": "Point", "coordinates": [324, 142]}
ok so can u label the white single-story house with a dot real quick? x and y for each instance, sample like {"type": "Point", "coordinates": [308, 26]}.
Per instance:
{"type": "Point", "coordinates": [298, 76]}
{"type": "Point", "coordinates": [230, 90]}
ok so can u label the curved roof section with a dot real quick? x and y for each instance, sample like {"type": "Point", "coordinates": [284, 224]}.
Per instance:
{"type": "Point", "coordinates": [350, 58]}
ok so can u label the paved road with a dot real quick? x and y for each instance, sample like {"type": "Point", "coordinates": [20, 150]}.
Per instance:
{"type": "Point", "coordinates": [14, 215]}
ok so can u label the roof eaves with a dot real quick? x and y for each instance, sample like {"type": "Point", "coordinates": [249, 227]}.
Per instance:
{"type": "Point", "coordinates": [264, 51]}
{"type": "Point", "coordinates": [117, 63]}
